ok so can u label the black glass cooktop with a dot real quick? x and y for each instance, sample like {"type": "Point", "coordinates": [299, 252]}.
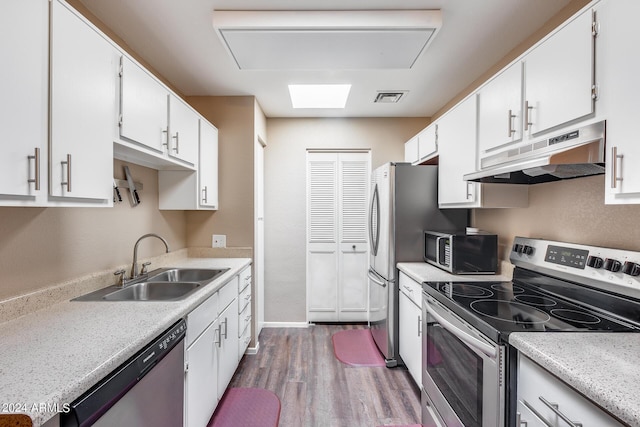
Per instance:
{"type": "Point", "coordinates": [532, 303]}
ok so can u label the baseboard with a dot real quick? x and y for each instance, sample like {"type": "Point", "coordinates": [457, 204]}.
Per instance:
{"type": "Point", "coordinates": [253, 350]}
{"type": "Point", "coordinates": [285, 325]}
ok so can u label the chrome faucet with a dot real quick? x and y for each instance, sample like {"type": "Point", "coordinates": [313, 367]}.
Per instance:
{"type": "Point", "coordinates": [134, 267]}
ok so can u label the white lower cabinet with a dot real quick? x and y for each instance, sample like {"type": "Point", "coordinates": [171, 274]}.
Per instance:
{"type": "Point", "coordinates": [244, 311]}
{"type": "Point", "coordinates": [411, 326]}
{"type": "Point", "coordinates": [544, 400]}
{"type": "Point", "coordinates": [211, 352]}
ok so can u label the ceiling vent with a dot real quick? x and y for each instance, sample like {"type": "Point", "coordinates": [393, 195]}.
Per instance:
{"type": "Point", "coordinates": [389, 97]}
{"type": "Point", "coordinates": [320, 40]}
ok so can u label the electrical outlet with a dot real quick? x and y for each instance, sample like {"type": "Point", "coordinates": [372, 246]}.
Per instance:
{"type": "Point", "coordinates": [219, 241]}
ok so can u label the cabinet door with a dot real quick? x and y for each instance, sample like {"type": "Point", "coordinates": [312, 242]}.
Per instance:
{"type": "Point", "coordinates": [201, 397]}
{"type": "Point", "coordinates": [427, 142]}
{"type": "Point", "coordinates": [559, 76]}
{"type": "Point", "coordinates": [410, 339]}
{"type": "Point", "coordinates": [83, 109]}
{"type": "Point", "coordinates": [617, 72]}
{"type": "Point", "coordinates": [457, 155]}
{"type": "Point", "coordinates": [24, 43]}
{"type": "Point", "coordinates": [208, 166]}
{"type": "Point", "coordinates": [411, 150]}
{"type": "Point", "coordinates": [229, 347]}
{"type": "Point", "coordinates": [183, 129]}
{"type": "Point", "coordinates": [500, 110]}
{"type": "Point", "coordinates": [143, 107]}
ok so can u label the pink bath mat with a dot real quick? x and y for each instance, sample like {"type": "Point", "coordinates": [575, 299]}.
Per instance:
{"type": "Point", "coordinates": [247, 407]}
{"type": "Point", "coordinates": [355, 347]}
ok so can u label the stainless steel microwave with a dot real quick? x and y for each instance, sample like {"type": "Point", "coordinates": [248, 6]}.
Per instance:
{"type": "Point", "coordinates": [462, 253]}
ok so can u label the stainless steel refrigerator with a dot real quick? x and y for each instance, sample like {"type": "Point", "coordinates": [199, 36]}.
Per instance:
{"type": "Point", "coordinates": [404, 203]}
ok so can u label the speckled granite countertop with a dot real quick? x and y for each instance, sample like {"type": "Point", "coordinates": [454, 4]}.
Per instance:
{"type": "Point", "coordinates": [423, 272]}
{"type": "Point", "coordinates": [52, 356]}
{"type": "Point", "coordinates": [604, 367]}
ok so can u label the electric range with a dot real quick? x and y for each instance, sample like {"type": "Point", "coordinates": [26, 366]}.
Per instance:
{"type": "Point", "coordinates": [469, 369]}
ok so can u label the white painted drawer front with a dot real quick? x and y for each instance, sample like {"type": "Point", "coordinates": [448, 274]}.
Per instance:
{"type": "Point", "coordinates": [244, 320]}
{"type": "Point", "coordinates": [244, 299]}
{"type": "Point", "coordinates": [243, 342]}
{"type": "Point", "coordinates": [411, 288]}
{"type": "Point", "coordinates": [535, 382]}
{"type": "Point", "coordinates": [200, 318]}
{"type": "Point", "coordinates": [227, 294]}
{"type": "Point", "coordinates": [245, 279]}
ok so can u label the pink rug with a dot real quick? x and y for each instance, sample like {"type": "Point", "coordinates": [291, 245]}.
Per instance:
{"type": "Point", "coordinates": [408, 425]}
{"type": "Point", "coordinates": [355, 347]}
{"type": "Point", "coordinates": [247, 407]}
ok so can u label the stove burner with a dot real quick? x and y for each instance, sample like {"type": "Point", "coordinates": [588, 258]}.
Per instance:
{"type": "Point", "coordinates": [464, 290]}
{"type": "Point", "coordinates": [506, 288]}
{"type": "Point", "coordinates": [536, 300]}
{"type": "Point", "coordinates": [509, 311]}
{"type": "Point", "coordinates": [575, 316]}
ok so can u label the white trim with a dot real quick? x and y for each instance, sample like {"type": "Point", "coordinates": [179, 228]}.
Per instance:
{"type": "Point", "coordinates": [253, 350]}
{"type": "Point", "coordinates": [285, 325]}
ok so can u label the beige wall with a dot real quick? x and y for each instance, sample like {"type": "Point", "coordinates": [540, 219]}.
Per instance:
{"type": "Point", "coordinates": [285, 193]}
{"type": "Point", "coordinates": [571, 211]}
{"type": "Point", "coordinates": [42, 246]}
{"type": "Point", "coordinates": [234, 118]}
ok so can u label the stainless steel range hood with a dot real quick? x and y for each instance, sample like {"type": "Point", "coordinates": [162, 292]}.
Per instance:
{"type": "Point", "coordinates": [573, 154]}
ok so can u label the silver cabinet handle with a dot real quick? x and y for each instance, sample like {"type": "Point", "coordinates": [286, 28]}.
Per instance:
{"type": "Point", "coordinates": [166, 137]}
{"type": "Point", "coordinates": [511, 129]}
{"type": "Point", "coordinates": [469, 194]}
{"type": "Point", "coordinates": [226, 327]}
{"type": "Point", "coordinates": [36, 158]}
{"type": "Point", "coordinates": [177, 147]}
{"type": "Point", "coordinates": [527, 121]}
{"type": "Point", "coordinates": [204, 194]}
{"type": "Point", "coordinates": [519, 421]}
{"type": "Point", "coordinates": [614, 166]}
{"type": "Point", "coordinates": [217, 336]}
{"type": "Point", "coordinates": [419, 325]}
{"type": "Point", "coordinates": [68, 181]}
{"type": "Point", "coordinates": [554, 407]}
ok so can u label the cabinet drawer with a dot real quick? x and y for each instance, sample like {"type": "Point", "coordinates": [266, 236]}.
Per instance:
{"type": "Point", "coordinates": [243, 342]}
{"type": "Point", "coordinates": [200, 318]}
{"type": "Point", "coordinates": [244, 299]}
{"type": "Point", "coordinates": [244, 320]}
{"type": "Point", "coordinates": [245, 279]}
{"type": "Point", "coordinates": [535, 383]}
{"type": "Point", "coordinates": [411, 288]}
{"type": "Point", "coordinates": [228, 293]}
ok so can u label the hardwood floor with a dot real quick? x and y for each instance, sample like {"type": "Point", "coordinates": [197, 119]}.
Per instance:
{"type": "Point", "coordinates": [317, 390]}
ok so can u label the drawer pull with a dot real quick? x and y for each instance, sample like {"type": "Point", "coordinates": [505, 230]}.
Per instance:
{"type": "Point", "coordinates": [555, 408]}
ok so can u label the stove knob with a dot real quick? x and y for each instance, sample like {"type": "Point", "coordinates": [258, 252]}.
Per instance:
{"type": "Point", "coordinates": [595, 261]}
{"type": "Point", "coordinates": [612, 265]}
{"type": "Point", "coordinates": [527, 250]}
{"type": "Point", "coordinates": [517, 248]}
{"type": "Point", "coordinates": [631, 268]}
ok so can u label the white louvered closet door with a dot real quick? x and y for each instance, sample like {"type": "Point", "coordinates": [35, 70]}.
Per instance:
{"type": "Point", "coordinates": [337, 245]}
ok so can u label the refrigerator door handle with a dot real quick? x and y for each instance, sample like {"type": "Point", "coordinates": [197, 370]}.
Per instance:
{"type": "Point", "coordinates": [375, 200]}
{"type": "Point", "coordinates": [372, 275]}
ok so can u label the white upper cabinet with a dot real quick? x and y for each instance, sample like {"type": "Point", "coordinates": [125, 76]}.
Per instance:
{"type": "Point", "coordinates": [208, 166]}
{"type": "Point", "coordinates": [457, 155]}
{"type": "Point", "coordinates": [84, 70]}
{"type": "Point", "coordinates": [144, 105]}
{"type": "Point", "coordinates": [411, 150]}
{"type": "Point", "coordinates": [559, 77]}
{"type": "Point", "coordinates": [23, 107]}
{"type": "Point", "coordinates": [183, 131]}
{"type": "Point", "coordinates": [428, 142]}
{"type": "Point", "coordinates": [500, 110]}
{"type": "Point", "coordinates": [617, 73]}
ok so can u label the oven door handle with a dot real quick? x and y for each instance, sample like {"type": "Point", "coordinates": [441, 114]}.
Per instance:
{"type": "Point", "coordinates": [463, 336]}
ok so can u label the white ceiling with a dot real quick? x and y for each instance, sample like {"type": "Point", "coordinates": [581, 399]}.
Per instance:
{"type": "Point", "coordinates": [177, 38]}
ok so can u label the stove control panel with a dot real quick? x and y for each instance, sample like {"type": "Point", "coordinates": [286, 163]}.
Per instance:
{"type": "Point", "coordinates": [615, 269]}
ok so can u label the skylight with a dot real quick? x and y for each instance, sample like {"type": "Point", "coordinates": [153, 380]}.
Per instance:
{"type": "Point", "coordinates": [319, 95]}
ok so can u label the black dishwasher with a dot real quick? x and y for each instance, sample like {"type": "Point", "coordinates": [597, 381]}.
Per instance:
{"type": "Point", "coordinates": [146, 390]}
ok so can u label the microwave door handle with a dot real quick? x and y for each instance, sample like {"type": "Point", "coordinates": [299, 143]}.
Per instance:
{"type": "Point", "coordinates": [438, 249]}
{"type": "Point", "coordinates": [375, 280]}
{"type": "Point", "coordinates": [463, 336]}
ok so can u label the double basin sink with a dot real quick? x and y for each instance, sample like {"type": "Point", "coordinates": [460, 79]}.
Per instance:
{"type": "Point", "coordinates": [164, 284]}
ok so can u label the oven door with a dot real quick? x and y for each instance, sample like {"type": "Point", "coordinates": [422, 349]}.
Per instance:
{"type": "Point", "coordinates": [463, 371]}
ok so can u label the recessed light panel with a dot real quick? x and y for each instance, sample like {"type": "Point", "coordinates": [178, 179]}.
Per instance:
{"type": "Point", "coordinates": [319, 95]}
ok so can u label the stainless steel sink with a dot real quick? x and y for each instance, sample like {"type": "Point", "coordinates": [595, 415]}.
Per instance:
{"type": "Point", "coordinates": [164, 284]}
{"type": "Point", "coordinates": [153, 291]}
{"type": "Point", "coordinates": [185, 275]}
